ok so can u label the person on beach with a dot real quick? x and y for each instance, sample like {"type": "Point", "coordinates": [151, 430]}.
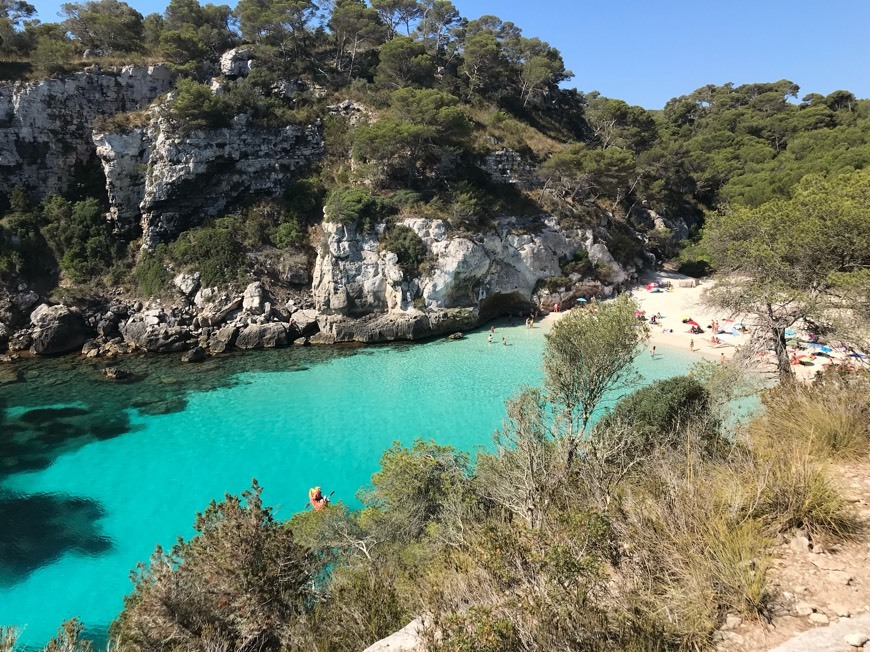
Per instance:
{"type": "Point", "coordinates": [721, 358]}
{"type": "Point", "coordinates": [692, 346]}
{"type": "Point", "coordinates": [491, 330]}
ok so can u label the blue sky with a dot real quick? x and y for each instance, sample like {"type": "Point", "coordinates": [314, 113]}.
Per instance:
{"type": "Point", "coordinates": [646, 52]}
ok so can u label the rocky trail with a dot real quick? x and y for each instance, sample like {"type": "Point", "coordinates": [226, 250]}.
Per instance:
{"type": "Point", "coordinates": [821, 594]}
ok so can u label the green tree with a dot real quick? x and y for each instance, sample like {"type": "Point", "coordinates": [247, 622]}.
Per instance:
{"type": "Point", "coordinates": [398, 12]}
{"type": "Point", "coordinates": [404, 62]}
{"type": "Point", "coordinates": [107, 25]}
{"type": "Point", "coordinates": [13, 13]}
{"type": "Point", "coordinates": [420, 128]}
{"type": "Point", "coordinates": [541, 69]}
{"type": "Point", "coordinates": [193, 33]}
{"type": "Point", "coordinates": [588, 355]}
{"type": "Point", "coordinates": [412, 486]}
{"type": "Point", "coordinates": [355, 27]}
{"type": "Point", "coordinates": [436, 22]}
{"type": "Point", "coordinates": [484, 64]}
{"type": "Point", "coordinates": [283, 23]}
{"type": "Point", "coordinates": [580, 173]}
{"type": "Point", "coordinates": [52, 56]}
{"type": "Point", "coordinates": [780, 261]}
{"type": "Point", "coordinates": [241, 581]}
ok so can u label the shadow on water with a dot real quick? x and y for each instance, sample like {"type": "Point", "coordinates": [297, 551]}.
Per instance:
{"type": "Point", "coordinates": [32, 440]}
{"type": "Point", "coordinates": [37, 529]}
{"type": "Point", "coordinates": [70, 403]}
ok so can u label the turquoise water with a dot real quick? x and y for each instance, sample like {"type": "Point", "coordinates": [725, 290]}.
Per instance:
{"type": "Point", "coordinates": [100, 473]}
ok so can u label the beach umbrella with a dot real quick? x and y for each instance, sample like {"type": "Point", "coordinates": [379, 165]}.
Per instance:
{"type": "Point", "coordinates": [693, 323]}
{"type": "Point", "coordinates": [650, 286]}
{"type": "Point", "coordinates": [685, 317]}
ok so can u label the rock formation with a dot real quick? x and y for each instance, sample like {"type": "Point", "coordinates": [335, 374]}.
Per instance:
{"type": "Point", "coordinates": [161, 180]}
{"type": "Point", "coordinates": [46, 126]}
{"type": "Point", "coordinates": [363, 294]}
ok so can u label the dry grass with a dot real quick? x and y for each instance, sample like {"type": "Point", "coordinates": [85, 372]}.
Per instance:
{"type": "Point", "coordinates": [832, 420]}
{"type": "Point", "coordinates": [691, 554]}
{"type": "Point", "coordinates": [510, 132]}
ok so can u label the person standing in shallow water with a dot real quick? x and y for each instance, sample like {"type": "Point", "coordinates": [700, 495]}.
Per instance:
{"type": "Point", "coordinates": [490, 338]}
{"type": "Point", "coordinates": [652, 352]}
{"type": "Point", "coordinates": [504, 341]}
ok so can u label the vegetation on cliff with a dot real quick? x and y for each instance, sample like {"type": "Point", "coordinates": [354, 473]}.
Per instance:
{"type": "Point", "coordinates": [433, 94]}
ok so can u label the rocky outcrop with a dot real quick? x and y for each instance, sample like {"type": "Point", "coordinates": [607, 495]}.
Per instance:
{"type": "Point", "coordinates": [363, 294]}
{"type": "Point", "coordinates": [237, 62]}
{"type": "Point", "coordinates": [272, 335]}
{"type": "Point", "coordinates": [162, 181]}
{"type": "Point", "coordinates": [57, 329]}
{"type": "Point", "coordinates": [511, 167]}
{"type": "Point", "coordinates": [46, 126]}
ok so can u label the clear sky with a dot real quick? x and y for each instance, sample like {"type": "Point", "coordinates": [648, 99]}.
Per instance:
{"type": "Point", "coordinates": [646, 51]}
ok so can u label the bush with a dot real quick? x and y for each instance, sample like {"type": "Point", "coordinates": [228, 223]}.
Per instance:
{"type": "Point", "coordinates": [196, 107]}
{"type": "Point", "coordinates": [348, 206]}
{"type": "Point", "coordinates": [659, 412]}
{"type": "Point", "coordinates": [211, 251]}
{"type": "Point", "coordinates": [407, 245]}
{"type": "Point", "coordinates": [150, 274]}
{"type": "Point", "coordinates": [241, 580]}
{"type": "Point", "coordinates": [579, 264]}
{"type": "Point", "coordinates": [289, 234]}
{"type": "Point", "coordinates": [80, 237]}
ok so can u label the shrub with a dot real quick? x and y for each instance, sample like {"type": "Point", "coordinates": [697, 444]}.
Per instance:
{"type": "Point", "coordinates": [150, 274]}
{"type": "Point", "coordinates": [407, 245]}
{"type": "Point", "coordinates": [657, 413]}
{"type": "Point", "coordinates": [579, 264]}
{"type": "Point", "coordinates": [241, 580]}
{"type": "Point", "coordinates": [211, 251]}
{"type": "Point", "coordinates": [348, 205]}
{"type": "Point", "coordinates": [288, 234]}
{"type": "Point", "coordinates": [196, 106]}
{"type": "Point", "coordinates": [80, 236]}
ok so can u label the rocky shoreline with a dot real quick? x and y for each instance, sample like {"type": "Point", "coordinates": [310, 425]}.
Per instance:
{"type": "Point", "coordinates": [358, 293]}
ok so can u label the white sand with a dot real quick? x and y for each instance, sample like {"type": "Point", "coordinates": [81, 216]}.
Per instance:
{"type": "Point", "coordinates": [672, 334]}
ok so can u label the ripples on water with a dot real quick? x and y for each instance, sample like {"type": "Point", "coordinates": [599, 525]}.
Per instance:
{"type": "Point", "coordinates": [94, 473]}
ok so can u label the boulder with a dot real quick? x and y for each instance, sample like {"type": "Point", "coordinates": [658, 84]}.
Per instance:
{"type": "Point", "coordinates": [155, 338]}
{"type": "Point", "coordinates": [187, 284]}
{"type": "Point", "coordinates": [237, 62]}
{"type": "Point", "coordinates": [196, 354]}
{"type": "Point", "coordinates": [305, 321]}
{"type": "Point", "coordinates": [116, 373]}
{"type": "Point", "coordinates": [223, 339]}
{"type": "Point", "coordinates": [263, 336]}
{"type": "Point", "coordinates": [58, 329]}
{"type": "Point", "coordinates": [255, 299]}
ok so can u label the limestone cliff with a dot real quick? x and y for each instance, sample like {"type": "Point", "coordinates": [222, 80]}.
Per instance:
{"type": "Point", "coordinates": [162, 180]}
{"type": "Point", "coordinates": [45, 126]}
{"type": "Point", "coordinates": [363, 294]}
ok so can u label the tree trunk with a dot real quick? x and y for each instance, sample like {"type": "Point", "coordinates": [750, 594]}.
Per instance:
{"type": "Point", "coordinates": [783, 364]}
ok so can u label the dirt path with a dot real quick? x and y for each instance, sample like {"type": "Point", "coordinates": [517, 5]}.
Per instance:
{"type": "Point", "coordinates": [821, 595]}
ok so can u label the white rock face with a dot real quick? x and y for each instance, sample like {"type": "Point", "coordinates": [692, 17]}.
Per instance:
{"type": "Point", "coordinates": [353, 277]}
{"type": "Point", "coordinates": [237, 62]}
{"type": "Point", "coordinates": [45, 126]}
{"type": "Point", "coordinates": [163, 181]}
{"type": "Point", "coordinates": [187, 284]}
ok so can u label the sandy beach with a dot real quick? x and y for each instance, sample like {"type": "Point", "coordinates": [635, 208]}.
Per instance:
{"type": "Point", "coordinates": [685, 299]}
